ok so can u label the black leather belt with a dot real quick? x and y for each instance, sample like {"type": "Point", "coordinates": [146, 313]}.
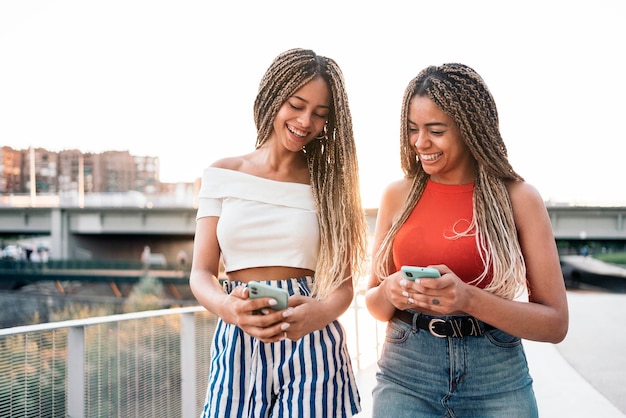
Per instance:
{"type": "Point", "coordinates": [451, 326]}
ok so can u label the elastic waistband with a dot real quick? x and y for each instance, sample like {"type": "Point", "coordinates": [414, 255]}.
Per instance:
{"type": "Point", "coordinates": [302, 282]}
{"type": "Point", "coordinates": [452, 326]}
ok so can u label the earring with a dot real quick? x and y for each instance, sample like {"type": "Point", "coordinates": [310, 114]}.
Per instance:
{"type": "Point", "coordinates": [324, 134]}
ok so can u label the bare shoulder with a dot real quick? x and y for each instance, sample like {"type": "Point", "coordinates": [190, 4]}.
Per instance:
{"type": "Point", "coordinates": [393, 198]}
{"type": "Point", "coordinates": [231, 163]}
{"type": "Point", "coordinates": [398, 188]}
{"type": "Point", "coordinates": [396, 191]}
{"type": "Point", "coordinates": [525, 197]}
{"type": "Point", "coordinates": [528, 205]}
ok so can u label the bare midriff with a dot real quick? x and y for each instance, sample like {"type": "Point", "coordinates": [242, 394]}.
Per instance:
{"type": "Point", "coordinates": [268, 273]}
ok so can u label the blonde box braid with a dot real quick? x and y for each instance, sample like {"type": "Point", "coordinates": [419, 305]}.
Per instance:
{"type": "Point", "coordinates": [331, 160]}
{"type": "Point", "coordinates": [462, 94]}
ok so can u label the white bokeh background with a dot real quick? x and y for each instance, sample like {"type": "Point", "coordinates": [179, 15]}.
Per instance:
{"type": "Point", "coordinates": [177, 79]}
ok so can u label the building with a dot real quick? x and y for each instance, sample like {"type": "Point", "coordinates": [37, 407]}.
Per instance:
{"type": "Point", "coordinates": [72, 172]}
{"type": "Point", "coordinates": [10, 170]}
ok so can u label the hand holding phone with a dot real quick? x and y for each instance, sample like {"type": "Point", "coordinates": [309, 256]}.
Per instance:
{"type": "Point", "coordinates": [261, 290]}
{"type": "Point", "coordinates": [414, 272]}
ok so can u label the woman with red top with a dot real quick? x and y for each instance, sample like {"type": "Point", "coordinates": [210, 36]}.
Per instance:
{"type": "Point", "coordinates": [453, 344]}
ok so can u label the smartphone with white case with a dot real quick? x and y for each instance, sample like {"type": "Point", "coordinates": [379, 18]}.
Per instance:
{"type": "Point", "coordinates": [261, 290]}
{"type": "Point", "coordinates": [414, 272]}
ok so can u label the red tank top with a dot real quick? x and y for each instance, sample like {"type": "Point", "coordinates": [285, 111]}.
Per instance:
{"type": "Point", "coordinates": [429, 234]}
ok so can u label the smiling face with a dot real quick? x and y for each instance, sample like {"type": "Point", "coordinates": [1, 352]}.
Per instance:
{"type": "Point", "coordinates": [438, 143]}
{"type": "Point", "coordinates": [303, 115]}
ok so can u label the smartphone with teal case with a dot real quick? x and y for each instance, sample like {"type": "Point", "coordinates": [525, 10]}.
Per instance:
{"type": "Point", "coordinates": [261, 290]}
{"type": "Point", "coordinates": [414, 272]}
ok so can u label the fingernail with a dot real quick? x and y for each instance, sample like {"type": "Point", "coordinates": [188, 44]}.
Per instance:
{"type": "Point", "coordinates": [265, 311]}
{"type": "Point", "coordinates": [287, 312]}
{"type": "Point", "coordinates": [405, 293]}
{"type": "Point", "coordinates": [272, 302]}
{"type": "Point", "coordinates": [284, 326]}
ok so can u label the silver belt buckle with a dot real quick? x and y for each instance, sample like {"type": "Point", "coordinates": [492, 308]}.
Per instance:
{"type": "Point", "coordinates": [431, 327]}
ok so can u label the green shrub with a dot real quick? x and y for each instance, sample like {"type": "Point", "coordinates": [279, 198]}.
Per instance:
{"type": "Point", "coordinates": [614, 258]}
{"type": "Point", "coordinates": [146, 295]}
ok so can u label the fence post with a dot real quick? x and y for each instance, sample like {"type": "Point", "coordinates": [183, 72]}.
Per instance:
{"type": "Point", "coordinates": [76, 372]}
{"type": "Point", "coordinates": [188, 364]}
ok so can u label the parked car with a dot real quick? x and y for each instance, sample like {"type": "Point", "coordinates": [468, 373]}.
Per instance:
{"type": "Point", "coordinates": [13, 252]}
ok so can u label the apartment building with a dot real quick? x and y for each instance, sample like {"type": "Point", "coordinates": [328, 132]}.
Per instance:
{"type": "Point", "coordinates": [70, 171]}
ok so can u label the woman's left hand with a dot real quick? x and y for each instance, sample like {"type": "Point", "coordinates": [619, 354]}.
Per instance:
{"type": "Point", "coordinates": [304, 315]}
{"type": "Point", "coordinates": [444, 295]}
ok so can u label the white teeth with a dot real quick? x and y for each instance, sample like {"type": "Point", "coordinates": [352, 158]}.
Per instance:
{"type": "Point", "coordinates": [430, 157]}
{"type": "Point", "coordinates": [296, 133]}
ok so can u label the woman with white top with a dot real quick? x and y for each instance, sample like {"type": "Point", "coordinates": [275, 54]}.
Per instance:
{"type": "Point", "coordinates": [288, 215]}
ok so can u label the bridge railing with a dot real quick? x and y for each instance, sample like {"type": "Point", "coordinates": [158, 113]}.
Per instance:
{"type": "Point", "coordinates": [152, 363]}
{"type": "Point", "coordinates": [17, 273]}
{"type": "Point", "coordinates": [77, 264]}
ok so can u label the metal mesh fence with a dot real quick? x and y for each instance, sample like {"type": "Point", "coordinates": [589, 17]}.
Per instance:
{"type": "Point", "coordinates": [130, 365]}
{"type": "Point", "coordinates": [33, 374]}
{"type": "Point", "coordinates": [132, 368]}
{"type": "Point", "coordinates": [205, 324]}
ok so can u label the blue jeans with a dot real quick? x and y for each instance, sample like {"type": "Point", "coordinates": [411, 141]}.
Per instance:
{"type": "Point", "coordinates": [421, 375]}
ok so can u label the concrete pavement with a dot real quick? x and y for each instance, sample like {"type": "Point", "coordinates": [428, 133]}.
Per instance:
{"type": "Point", "coordinates": [582, 377]}
{"type": "Point", "coordinates": [595, 346]}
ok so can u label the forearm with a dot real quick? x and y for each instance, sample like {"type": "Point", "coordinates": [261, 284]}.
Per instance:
{"type": "Point", "coordinates": [335, 305]}
{"type": "Point", "coordinates": [378, 303]}
{"type": "Point", "coordinates": [528, 320]}
{"type": "Point", "coordinates": [207, 290]}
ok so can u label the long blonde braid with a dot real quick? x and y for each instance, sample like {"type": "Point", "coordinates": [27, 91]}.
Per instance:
{"type": "Point", "coordinates": [332, 163]}
{"type": "Point", "coordinates": [461, 93]}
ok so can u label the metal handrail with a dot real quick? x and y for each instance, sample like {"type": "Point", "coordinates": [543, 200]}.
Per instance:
{"type": "Point", "coordinates": [97, 320]}
{"type": "Point", "coordinates": [188, 375]}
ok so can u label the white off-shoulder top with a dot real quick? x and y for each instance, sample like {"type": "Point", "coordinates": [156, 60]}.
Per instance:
{"type": "Point", "coordinates": [262, 222]}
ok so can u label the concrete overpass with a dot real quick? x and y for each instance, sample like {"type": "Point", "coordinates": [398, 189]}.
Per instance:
{"type": "Point", "coordinates": [107, 232]}
{"type": "Point", "coordinates": [122, 232]}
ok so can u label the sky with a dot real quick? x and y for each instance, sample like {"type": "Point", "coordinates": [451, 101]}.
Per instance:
{"type": "Point", "coordinates": [177, 79]}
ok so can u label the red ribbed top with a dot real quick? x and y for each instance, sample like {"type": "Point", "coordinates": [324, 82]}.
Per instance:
{"type": "Point", "coordinates": [428, 235]}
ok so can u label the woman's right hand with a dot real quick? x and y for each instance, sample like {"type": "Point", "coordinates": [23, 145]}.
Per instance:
{"type": "Point", "coordinates": [254, 316]}
{"type": "Point", "coordinates": [395, 289]}
{"type": "Point", "coordinates": [386, 296]}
